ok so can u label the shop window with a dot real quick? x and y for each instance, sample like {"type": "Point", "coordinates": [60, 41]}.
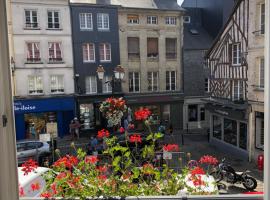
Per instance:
{"type": "Point", "coordinates": [133, 19]}
{"type": "Point", "coordinates": [134, 81]}
{"type": "Point", "coordinates": [35, 85]}
{"type": "Point", "coordinates": [230, 131]}
{"type": "Point", "coordinates": [170, 80]}
{"type": "Point", "coordinates": [152, 47]}
{"type": "Point", "coordinates": [171, 48]}
{"type": "Point", "coordinates": [166, 112]}
{"type": "Point", "coordinates": [107, 88]}
{"type": "Point", "coordinates": [202, 113]}
{"type": "Point", "coordinates": [152, 78]}
{"type": "Point", "coordinates": [133, 47]}
{"type": "Point", "coordinates": [57, 84]}
{"type": "Point", "coordinates": [192, 113]}
{"type": "Point", "coordinates": [243, 136]}
{"type": "Point", "coordinates": [87, 116]}
{"type": "Point", "coordinates": [259, 130]}
{"type": "Point", "coordinates": [217, 127]}
{"type": "Point", "coordinates": [262, 18]}
{"type": "Point", "coordinates": [91, 84]}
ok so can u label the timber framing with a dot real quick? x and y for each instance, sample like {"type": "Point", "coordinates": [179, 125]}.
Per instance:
{"type": "Point", "coordinates": [227, 58]}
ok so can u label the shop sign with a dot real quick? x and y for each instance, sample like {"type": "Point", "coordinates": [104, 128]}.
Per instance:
{"type": "Point", "coordinates": [18, 106]}
{"type": "Point", "coordinates": [52, 129]}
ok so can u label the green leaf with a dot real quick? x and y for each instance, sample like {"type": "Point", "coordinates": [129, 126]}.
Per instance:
{"type": "Point", "coordinates": [158, 135]}
{"type": "Point", "coordinates": [136, 172]}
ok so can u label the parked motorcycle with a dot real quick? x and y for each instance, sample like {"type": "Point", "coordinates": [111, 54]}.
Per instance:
{"type": "Point", "coordinates": [225, 172]}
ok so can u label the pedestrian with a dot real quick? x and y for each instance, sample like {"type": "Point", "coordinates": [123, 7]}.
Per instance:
{"type": "Point", "coordinates": [93, 145]}
{"type": "Point", "coordinates": [72, 129]}
{"type": "Point", "coordinates": [77, 126]}
{"type": "Point", "coordinates": [126, 124]}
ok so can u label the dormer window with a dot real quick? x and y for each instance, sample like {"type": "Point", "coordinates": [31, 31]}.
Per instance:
{"type": "Point", "coordinates": [186, 19]}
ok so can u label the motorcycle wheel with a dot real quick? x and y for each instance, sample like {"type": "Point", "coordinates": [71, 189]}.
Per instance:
{"type": "Point", "coordinates": [218, 176]}
{"type": "Point", "coordinates": [250, 183]}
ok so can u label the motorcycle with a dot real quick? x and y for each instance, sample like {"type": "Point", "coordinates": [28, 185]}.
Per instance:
{"type": "Point", "coordinates": [225, 171]}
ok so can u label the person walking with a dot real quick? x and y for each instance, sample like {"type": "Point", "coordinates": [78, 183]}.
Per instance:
{"type": "Point", "coordinates": [72, 129]}
{"type": "Point", "coordinates": [77, 127]}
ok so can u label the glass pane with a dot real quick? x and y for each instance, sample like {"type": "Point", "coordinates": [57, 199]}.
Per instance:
{"type": "Point", "coordinates": [192, 113]}
{"type": "Point", "coordinates": [217, 132]}
{"type": "Point", "coordinates": [230, 131]}
{"type": "Point", "coordinates": [243, 136]}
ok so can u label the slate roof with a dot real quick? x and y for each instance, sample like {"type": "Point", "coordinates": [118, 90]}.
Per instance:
{"type": "Point", "coordinates": [168, 5]}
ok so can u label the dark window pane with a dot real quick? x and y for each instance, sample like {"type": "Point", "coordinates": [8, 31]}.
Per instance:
{"type": "Point", "coordinates": [230, 131]}
{"type": "Point", "coordinates": [192, 113]}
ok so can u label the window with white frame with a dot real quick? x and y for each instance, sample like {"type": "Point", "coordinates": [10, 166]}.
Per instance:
{"type": "Point", "coordinates": [86, 22]}
{"type": "Point", "coordinates": [33, 52]}
{"type": "Point", "coordinates": [152, 78]}
{"type": "Point", "coordinates": [53, 19]}
{"type": "Point", "coordinates": [170, 80]}
{"type": "Point", "coordinates": [262, 18]}
{"type": "Point", "coordinates": [133, 19]}
{"type": "Point", "coordinates": [55, 53]}
{"type": "Point", "coordinates": [238, 90]}
{"type": "Point", "coordinates": [103, 21]}
{"type": "Point", "coordinates": [57, 84]}
{"type": "Point", "coordinates": [186, 19]}
{"type": "Point", "coordinates": [134, 81]}
{"type": "Point", "coordinates": [31, 19]}
{"type": "Point", "coordinates": [261, 75]}
{"type": "Point", "coordinates": [152, 19]}
{"type": "Point", "coordinates": [236, 54]}
{"type": "Point", "coordinates": [107, 88]}
{"type": "Point", "coordinates": [169, 20]}
{"type": "Point", "coordinates": [88, 52]}
{"type": "Point", "coordinates": [35, 85]}
{"type": "Point", "coordinates": [91, 84]}
{"type": "Point", "coordinates": [105, 52]}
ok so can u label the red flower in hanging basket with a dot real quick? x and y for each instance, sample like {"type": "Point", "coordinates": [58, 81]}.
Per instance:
{"type": "Point", "coordinates": [142, 114]}
{"type": "Point", "coordinates": [103, 133]}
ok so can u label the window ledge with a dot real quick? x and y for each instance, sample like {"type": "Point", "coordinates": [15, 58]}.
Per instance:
{"type": "Point", "coordinates": [86, 29]}
{"type": "Point", "coordinates": [89, 61]}
{"type": "Point", "coordinates": [171, 59]}
{"type": "Point", "coordinates": [259, 89]}
{"type": "Point", "coordinates": [55, 62]}
{"type": "Point", "coordinates": [27, 28]}
{"type": "Point", "coordinates": [152, 59]}
{"type": "Point", "coordinates": [105, 61]}
{"type": "Point", "coordinates": [54, 29]}
{"type": "Point", "coordinates": [103, 30]}
{"type": "Point", "coordinates": [36, 94]}
{"type": "Point", "coordinates": [27, 62]}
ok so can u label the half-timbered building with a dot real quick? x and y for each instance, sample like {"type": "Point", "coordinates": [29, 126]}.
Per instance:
{"type": "Point", "coordinates": [228, 69]}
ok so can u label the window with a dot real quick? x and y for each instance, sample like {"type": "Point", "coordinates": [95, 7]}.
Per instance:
{"type": "Point", "coordinates": [152, 81]}
{"type": "Point", "coordinates": [35, 85]}
{"type": "Point", "coordinates": [170, 80]}
{"type": "Point", "coordinates": [88, 52]}
{"type": "Point", "coordinates": [53, 20]}
{"type": "Point", "coordinates": [236, 54]}
{"type": "Point", "coordinates": [262, 18]}
{"type": "Point", "coordinates": [133, 47]}
{"type": "Point", "coordinates": [91, 84]}
{"type": "Point", "coordinates": [192, 113]}
{"type": "Point", "coordinates": [238, 90]}
{"type": "Point", "coordinates": [171, 48]}
{"type": "Point", "coordinates": [259, 128]}
{"type": "Point", "coordinates": [31, 19]}
{"type": "Point", "coordinates": [55, 53]}
{"type": "Point", "coordinates": [261, 75]}
{"type": "Point", "coordinates": [230, 131]}
{"type": "Point", "coordinates": [87, 116]}
{"type": "Point", "coordinates": [134, 81]}
{"type": "Point", "coordinates": [243, 136]}
{"type": "Point", "coordinates": [103, 21]}
{"type": "Point", "coordinates": [86, 21]}
{"type": "Point", "coordinates": [57, 84]}
{"type": "Point", "coordinates": [133, 19]}
{"type": "Point", "coordinates": [107, 88]}
{"type": "Point", "coordinates": [105, 52]}
{"type": "Point", "coordinates": [186, 19]}
{"type": "Point", "coordinates": [152, 47]}
{"type": "Point", "coordinates": [170, 20]}
{"type": "Point", "coordinates": [206, 85]}
{"type": "Point", "coordinates": [202, 113]}
{"type": "Point", "coordinates": [152, 20]}
{"type": "Point", "coordinates": [217, 127]}
{"type": "Point", "coordinates": [33, 52]}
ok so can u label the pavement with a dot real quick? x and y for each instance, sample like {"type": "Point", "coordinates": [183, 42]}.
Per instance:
{"type": "Point", "coordinates": [195, 145]}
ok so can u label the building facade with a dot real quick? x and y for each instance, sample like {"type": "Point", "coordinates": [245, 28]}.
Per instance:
{"type": "Point", "coordinates": [151, 40]}
{"type": "Point", "coordinates": [96, 42]}
{"type": "Point", "coordinates": [43, 66]}
{"type": "Point", "coordinates": [256, 77]}
{"type": "Point", "coordinates": [227, 61]}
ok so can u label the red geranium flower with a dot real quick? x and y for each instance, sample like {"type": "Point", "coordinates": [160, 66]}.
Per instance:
{"type": "Point", "coordinates": [102, 169]}
{"type": "Point", "coordinates": [103, 133]}
{"type": "Point", "coordinates": [46, 195]}
{"type": "Point", "coordinates": [197, 171]}
{"type": "Point", "coordinates": [198, 181]}
{"type": "Point", "coordinates": [121, 130]}
{"type": "Point", "coordinates": [210, 160]}
{"type": "Point", "coordinates": [131, 126]}
{"type": "Point", "coordinates": [91, 159]}
{"type": "Point", "coordinates": [66, 161]}
{"type": "Point", "coordinates": [35, 186]}
{"type": "Point", "coordinates": [135, 138]}
{"type": "Point", "coordinates": [142, 114]}
{"type": "Point", "coordinates": [54, 189]}
{"type": "Point", "coordinates": [171, 147]}
{"type": "Point", "coordinates": [29, 166]}
{"type": "Point", "coordinates": [102, 177]}
{"type": "Point", "coordinates": [61, 175]}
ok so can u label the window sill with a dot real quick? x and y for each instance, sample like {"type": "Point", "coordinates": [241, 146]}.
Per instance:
{"type": "Point", "coordinates": [55, 62]}
{"type": "Point", "coordinates": [104, 30]}
{"type": "Point", "coordinates": [54, 29]}
{"type": "Point", "coordinates": [38, 62]}
{"type": "Point", "coordinates": [28, 28]}
{"type": "Point", "coordinates": [86, 29]}
{"type": "Point", "coordinates": [171, 59]}
{"type": "Point", "coordinates": [105, 61]}
{"type": "Point", "coordinates": [36, 94]}
{"type": "Point", "coordinates": [57, 93]}
{"type": "Point", "coordinates": [134, 59]}
{"type": "Point", "coordinates": [152, 59]}
{"type": "Point", "coordinates": [89, 61]}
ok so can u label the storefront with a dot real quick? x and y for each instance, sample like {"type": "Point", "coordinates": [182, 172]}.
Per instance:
{"type": "Point", "coordinates": [229, 129]}
{"type": "Point", "coordinates": [45, 115]}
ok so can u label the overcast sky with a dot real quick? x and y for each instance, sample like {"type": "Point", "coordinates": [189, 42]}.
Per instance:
{"type": "Point", "coordinates": [180, 1]}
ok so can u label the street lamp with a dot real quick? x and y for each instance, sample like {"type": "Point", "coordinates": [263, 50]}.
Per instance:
{"type": "Point", "coordinates": [118, 75]}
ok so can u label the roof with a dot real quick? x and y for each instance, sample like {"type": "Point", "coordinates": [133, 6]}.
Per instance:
{"type": "Point", "coordinates": [168, 5]}
{"type": "Point", "coordinates": [195, 36]}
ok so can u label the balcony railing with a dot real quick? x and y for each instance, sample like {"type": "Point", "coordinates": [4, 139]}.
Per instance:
{"type": "Point", "coordinates": [55, 60]}
{"type": "Point", "coordinates": [31, 25]}
{"type": "Point", "coordinates": [33, 60]}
